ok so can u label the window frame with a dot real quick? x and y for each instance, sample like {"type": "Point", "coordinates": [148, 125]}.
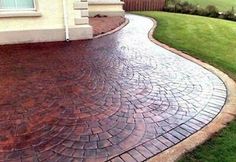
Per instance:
{"type": "Point", "coordinates": [21, 9]}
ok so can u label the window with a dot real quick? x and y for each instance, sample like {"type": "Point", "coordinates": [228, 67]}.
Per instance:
{"type": "Point", "coordinates": [17, 5]}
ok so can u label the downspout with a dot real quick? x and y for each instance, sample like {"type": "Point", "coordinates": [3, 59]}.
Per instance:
{"type": "Point", "coordinates": [66, 20]}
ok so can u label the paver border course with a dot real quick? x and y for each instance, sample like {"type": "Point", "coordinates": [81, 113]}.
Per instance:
{"type": "Point", "coordinates": [113, 31]}
{"type": "Point", "coordinates": [227, 114]}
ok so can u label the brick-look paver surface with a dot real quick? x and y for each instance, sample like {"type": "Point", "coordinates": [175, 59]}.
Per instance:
{"type": "Point", "coordinates": [117, 98]}
{"type": "Point", "coordinates": [103, 25]}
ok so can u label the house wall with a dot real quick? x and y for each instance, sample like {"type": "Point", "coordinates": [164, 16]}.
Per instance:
{"type": "Point", "coordinates": [106, 7]}
{"type": "Point", "coordinates": [47, 24]}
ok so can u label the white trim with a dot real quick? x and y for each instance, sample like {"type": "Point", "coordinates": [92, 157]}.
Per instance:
{"type": "Point", "coordinates": [30, 12]}
{"type": "Point", "coordinates": [21, 9]}
{"type": "Point", "coordinates": [105, 3]}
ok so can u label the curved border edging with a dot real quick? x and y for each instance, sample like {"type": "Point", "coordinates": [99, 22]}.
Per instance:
{"type": "Point", "coordinates": [227, 114]}
{"type": "Point", "coordinates": [114, 30]}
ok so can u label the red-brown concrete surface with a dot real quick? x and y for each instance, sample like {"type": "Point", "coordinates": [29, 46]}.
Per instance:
{"type": "Point", "coordinates": [103, 25]}
{"type": "Point", "coordinates": [116, 98]}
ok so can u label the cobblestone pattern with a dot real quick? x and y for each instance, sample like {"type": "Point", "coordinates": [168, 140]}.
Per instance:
{"type": "Point", "coordinates": [117, 98]}
{"type": "Point", "coordinates": [102, 25]}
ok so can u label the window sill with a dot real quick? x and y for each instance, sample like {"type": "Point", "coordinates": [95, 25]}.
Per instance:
{"type": "Point", "coordinates": [19, 14]}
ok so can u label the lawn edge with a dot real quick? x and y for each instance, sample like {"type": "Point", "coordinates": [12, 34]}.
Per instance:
{"type": "Point", "coordinates": [227, 114]}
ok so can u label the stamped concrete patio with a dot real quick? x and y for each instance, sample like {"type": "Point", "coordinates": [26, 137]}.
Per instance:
{"type": "Point", "coordinates": [116, 98]}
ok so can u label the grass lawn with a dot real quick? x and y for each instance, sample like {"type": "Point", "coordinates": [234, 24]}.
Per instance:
{"type": "Point", "coordinates": [222, 5]}
{"type": "Point", "coordinates": [213, 41]}
{"type": "Point", "coordinates": [222, 148]}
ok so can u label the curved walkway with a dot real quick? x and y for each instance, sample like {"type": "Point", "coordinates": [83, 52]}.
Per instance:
{"type": "Point", "coordinates": [119, 97]}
